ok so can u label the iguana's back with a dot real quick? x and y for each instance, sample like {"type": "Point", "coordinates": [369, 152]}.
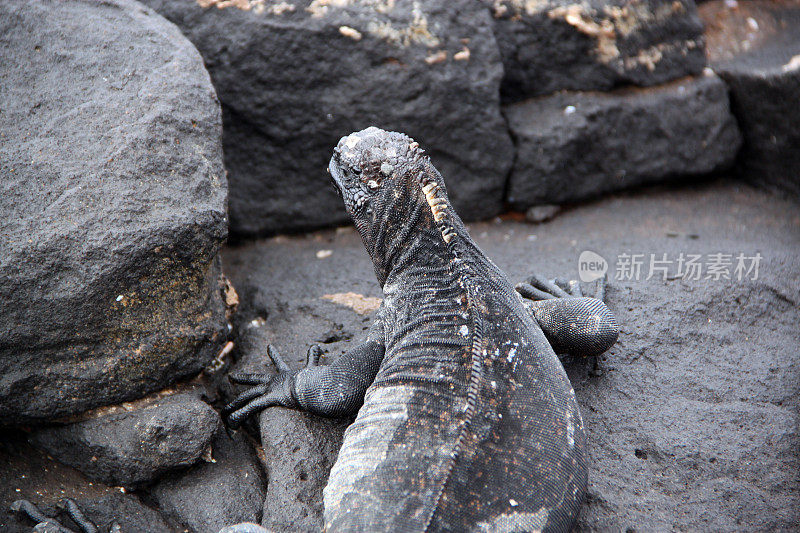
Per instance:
{"type": "Point", "coordinates": [471, 422]}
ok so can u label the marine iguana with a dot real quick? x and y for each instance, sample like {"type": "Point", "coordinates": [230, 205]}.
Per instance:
{"type": "Point", "coordinates": [468, 421]}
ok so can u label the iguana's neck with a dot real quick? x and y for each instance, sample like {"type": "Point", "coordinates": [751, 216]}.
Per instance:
{"type": "Point", "coordinates": [417, 231]}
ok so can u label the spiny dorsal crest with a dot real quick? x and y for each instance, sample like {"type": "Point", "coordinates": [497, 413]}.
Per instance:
{"type": "Point", "coordinates": [437, 202]}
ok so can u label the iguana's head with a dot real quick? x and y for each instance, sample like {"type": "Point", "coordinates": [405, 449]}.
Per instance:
{"type": "Point", "coordinates": [392, 192]}
{"type": "Point", "coordinates": [365, 161]}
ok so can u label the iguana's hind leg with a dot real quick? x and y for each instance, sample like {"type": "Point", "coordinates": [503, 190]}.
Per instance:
{"type": "Point", "coordinates": [51, 525]}
{"type": "Point", "coordinates": [573, 323]}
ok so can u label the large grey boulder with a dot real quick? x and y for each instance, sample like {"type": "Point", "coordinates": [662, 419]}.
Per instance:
{"type": "Point", "coordinates": [576, 145]}
{"type": "Point", "coordinates": [550, 45]}
{"type": "Point", "coordinates": [133, 446]}
{"type": "Point", "coordinates": [113, 207]}
{"type": "Point", "coordinates": [755, 48]}
{"type": "Point", "coordinates": [294, 77]}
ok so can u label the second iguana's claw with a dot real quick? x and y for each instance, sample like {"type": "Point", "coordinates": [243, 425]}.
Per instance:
{"type": "Point", "coordinates": [51, 525]}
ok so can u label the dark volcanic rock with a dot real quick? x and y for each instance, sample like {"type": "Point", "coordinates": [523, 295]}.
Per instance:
{"type": "Point", "coordinates": [113, 201]}
{"type": "Point", "coordinates": [295, 77]}
{"type": "Point", "coordinates": [575, 145]}
{"type": "Point", "coordinates": [133, 447]}
{"type": "Point", "coordinates": [550, 45]}
{"type": "Point", "coordinates": [216, 494]}
{"type": "Point", "coordinates": [755, 48]}
{"type": "Point", "coordinates": [300, 450]}
{"type": "Point", "coordinates": [692, 422]}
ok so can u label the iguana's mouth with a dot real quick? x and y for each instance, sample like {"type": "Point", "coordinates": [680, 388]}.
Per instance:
{"type": "Point", "coordinates": [336, 175]}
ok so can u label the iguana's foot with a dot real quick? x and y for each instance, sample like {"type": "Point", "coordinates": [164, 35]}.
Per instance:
{"type": "Point", "coordinates": [45, 524]}
{"type": "Point", "coordinates": [537, 288]}
{"type": "Point", "coordinates": [268, 389]}
{"type": "Point", "coordinates": [574, 324]}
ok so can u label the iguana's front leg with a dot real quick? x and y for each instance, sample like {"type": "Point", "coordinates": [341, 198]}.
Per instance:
{"type": "Point", "coordinates": [334, 390]}
{"type": "Point", "coordinates": [574, 324]}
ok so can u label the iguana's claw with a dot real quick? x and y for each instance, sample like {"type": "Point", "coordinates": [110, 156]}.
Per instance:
{"type": "Point", "coordinates": [268, 390]}
{"type": "Point", "coordinates": [313, 355]}
{"type": "Point", "coordinates": [277, 360]}
{"type": "Point", "coordinates": [538, 288]}
{"type": "Point", "coordinates": [77, 516]}
{"type": "Point", "coordinates": [572, 286]}
{"type": "Point", "coordinates": [600, 288]}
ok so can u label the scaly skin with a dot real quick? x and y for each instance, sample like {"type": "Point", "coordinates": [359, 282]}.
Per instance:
{"type": "Point", "coordinates": [469, 422]}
